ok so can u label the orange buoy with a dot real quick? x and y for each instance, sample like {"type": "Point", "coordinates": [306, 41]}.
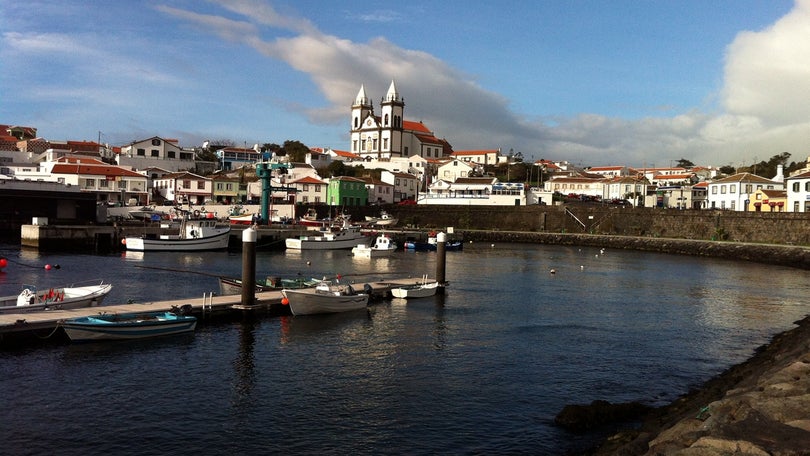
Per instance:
{"type": "Point", "coordinates": [124, 241]}
{"type": "Point", "coordinates": [285, 301]}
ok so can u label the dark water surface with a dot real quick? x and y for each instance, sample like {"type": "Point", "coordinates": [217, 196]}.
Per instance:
{"type": "Point", "coordinates": [482, 370]}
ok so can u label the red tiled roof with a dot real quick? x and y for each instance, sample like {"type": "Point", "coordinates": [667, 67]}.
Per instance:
{"type": "Point", "coordinates": [475, 152]}
{"type": "Point", "coordinates": [93, 169]}
{"type": "Point", "coordinates": [308, 180]}
{"type": "Point", "coordinates": [415, 126]}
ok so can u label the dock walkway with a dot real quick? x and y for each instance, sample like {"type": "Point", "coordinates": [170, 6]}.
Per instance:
{"type": "Point", "coordinates": [44, 322]}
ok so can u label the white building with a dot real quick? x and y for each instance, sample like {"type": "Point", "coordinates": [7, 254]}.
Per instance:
{"type": "Point", "coordinates": [406, 185]}
{"type": "Point", "coordinates": [732, 193]}
{"type": "Point", "coordinates": [309, 190]}
{"type": "Point", "coordinates": [184, 188]}
{"type": "Point", "coordinates": [798, 192]}
{"type": "Point", "coordinates": [474, 191]}
{"type": "Point", "coordinates": [156, 152]}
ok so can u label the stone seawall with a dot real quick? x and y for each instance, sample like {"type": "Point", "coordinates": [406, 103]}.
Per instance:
{"type": "Point", "coordinates": [785, 255]}
{"type": "Point", "coordinates": [751, 227]}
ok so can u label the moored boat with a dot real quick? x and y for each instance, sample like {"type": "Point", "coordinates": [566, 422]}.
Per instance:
{"type": "Point", "coordinates": [419, 290]}
{"type": "Point", "coordinates": [342, 235]}
{"type": "Point", "coordinates": [75, 296]}
{"type": "Point", "coordinates": [385, 219]}
{"type": "Point", "coordinates": [324, 298]}
{"type": "Point", "coordinates": [431, 245]}
{"type": "Point", "coordinates": [383, 246]}
{"type": "Point", "coordinates": [194, 235]}
{"type": "Point", "coordinates": [128, 326]}
{"type": "Point", "coordinates": [231, 285]}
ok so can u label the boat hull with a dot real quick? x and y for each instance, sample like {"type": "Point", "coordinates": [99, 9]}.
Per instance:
{"type": "Point", "coordinates": [310, 302]}
{"type": "Point", "coordinates": [324, 243]}
{"type": "Point", "coordinates": [99, 328]}
{"type": "Point", "coordinates": [216, 242]}
{"type": "Point", "coordinates": [415, 291]}
{"type": "Point", "coordinates": [232, 286]}
{"type": "Point", "coordinates": [69, 298]}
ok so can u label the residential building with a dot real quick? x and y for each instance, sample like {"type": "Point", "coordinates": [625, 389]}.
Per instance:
{"type": "Point", "coordinates": [798, 192]}
{"type": "Point", "coordinates": [406, 185]}
{"type": "Point", "coordinates": [231, 158]}
{"type": "Point", "coordinates": [184, 188]}
{"type": "Point", "coordinates": [608, 171]}
{"type": "Point", "coordinates": [110, 183]}
{"type": "Point", "coordinates": [481, 157]}
{"type": "Point", "coordinates": [156, 152]}
{"type": "Point", "coordinates": [733, 192]}
{"type": "Point", "coordinates": [227, 189]}
{"type": "Point", "coordinates": [763, 200]}
{"type": "Point", "coordinates": [474, 191]}
{"type": "Point", "coordinates": [576, 186]}
{"type": "Point", "coordinates": [309, 190]}
{"type": "Point", "coordinates": [454, 170]}
{"type": "Point", "coordinates": [346, 191]}
{"type": "Point", "coordinates": [379, 192]}
{"type": "Point", "coordinates": [622, 187]}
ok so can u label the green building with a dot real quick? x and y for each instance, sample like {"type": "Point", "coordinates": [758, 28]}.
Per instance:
{"type": "Point", "coordinates": [346, 191]}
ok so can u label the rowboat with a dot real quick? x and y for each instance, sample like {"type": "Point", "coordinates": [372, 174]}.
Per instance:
{"type": "Point", "coordinates": [419, 290]}
{"type": "Point", "coordinates": [324, 298]}
{"type": "Point", "coordinates": [74, 296]}
{"type": "Point", "coordinates": [128, 326]}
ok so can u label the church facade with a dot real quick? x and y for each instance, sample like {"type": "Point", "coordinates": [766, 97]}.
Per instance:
{"type": "Point", "coordinates": [388, 135]}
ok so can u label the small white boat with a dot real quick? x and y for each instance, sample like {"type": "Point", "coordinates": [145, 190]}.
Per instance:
{"type": "Point", "coordinates": [194, 235]}
{"type": "Point", "coordinates": [324, 298]}
{"type": "Point", "coordinates": [385, 219]}
{"type": "Point", "coordinates": [341, 236]}
{"type": "Point", "coordinates": [383, 246]}
{"type": "Point", "coordinates": [68, 297]}
{"type": "Point", "coordinates": [128, 326]}
{"type": "Point", "coordinates": [419, 290]}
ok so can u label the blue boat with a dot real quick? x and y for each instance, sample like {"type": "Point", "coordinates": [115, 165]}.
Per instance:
{"type": "Point", "coordinates": [129, 326]}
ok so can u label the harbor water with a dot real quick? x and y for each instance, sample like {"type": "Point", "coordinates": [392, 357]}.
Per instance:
{"type": "Point", "coordinates": [481, 370]}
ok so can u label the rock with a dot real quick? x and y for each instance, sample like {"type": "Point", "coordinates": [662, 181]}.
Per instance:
{"type": "Point", "coordinates": [583, 417]}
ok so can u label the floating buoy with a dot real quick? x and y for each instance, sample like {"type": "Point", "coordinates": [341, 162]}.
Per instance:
{"type": "Point", "coordinates": [285, 302]}
{"type": "Point", "coordinates": [582, 268]}
{"type": "Point", "coordinates": [309, 263]}
{"type": "Point", "coordinates": [553, 271]}
{"type": "Point", "coordinates": [47, 267]}
{"type": "Point", "coordinates": [3, 263]}
{"type": "Point", "coordinates": [492, 245]}
{"type": "Point", "coordinates": [124, 241]}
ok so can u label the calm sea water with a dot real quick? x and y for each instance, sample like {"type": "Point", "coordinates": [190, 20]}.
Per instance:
{"type": "Point", "coordinates": [482, 370]}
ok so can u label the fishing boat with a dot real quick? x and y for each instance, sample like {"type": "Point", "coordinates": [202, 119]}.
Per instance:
{"type": "Point", "coordinates": [310, 219]}
{"type": "Point", "coordinates": [194, 235]}
{"type": "Point", "coordinates": [326, 297]}
{"type": "Point", "coordinates": [340, 235]}
{"type": "Point", "coordinates": [232, 286]}
{"type": "Point", "coordinates": [148, 213]}
{"type": "Point", "coordinates": [75, 296]}
{"type": "Point", "coordinates": [385, 219]}
{"type": "Point", "coordinates": [419, 290]}
{"type": "Point", "coordinates": [383, 246]}
{"type": "Point", "coordinates": [432, 244]}
{"type": "Point", "coordinates": [130, 326]}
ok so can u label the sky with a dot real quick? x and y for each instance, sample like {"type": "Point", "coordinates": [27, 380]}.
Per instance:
{"type": "Point", "coordinates": [594, 83]}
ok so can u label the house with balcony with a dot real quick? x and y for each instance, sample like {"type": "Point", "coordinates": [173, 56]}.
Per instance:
{"type": "Point", "coordinates": [474, 191]}
{"type": "Point", "coordinates": [231, 158]}
{"type": "Point", "coordinates": [455, 169]}
{"type": "Point", "coordinates": [798, 192]}
{"type": "Point", "coordinates": [734, 192]}
{"type": "Point", "coordinates": [481, 157]}
{"type": "Point", "coordinates": [110, 183]}
{"type": "Point", "coordinates": [156, 152]}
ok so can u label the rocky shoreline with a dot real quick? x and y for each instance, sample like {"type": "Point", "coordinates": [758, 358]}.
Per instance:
{"type": "Point", "coordinates": [758, 407]}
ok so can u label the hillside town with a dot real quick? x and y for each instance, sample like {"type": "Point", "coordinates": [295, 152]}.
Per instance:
{"type": "Point", "coordinates": [391, 160]}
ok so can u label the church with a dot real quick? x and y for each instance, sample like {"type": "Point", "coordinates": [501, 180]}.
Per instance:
{"type": "Point", "coordinates": [388, 135]}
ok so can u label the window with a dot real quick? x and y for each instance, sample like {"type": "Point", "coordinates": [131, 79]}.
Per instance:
{"type": "Point", "coordinates": [229, 186]}
{"type": "Point", "coordinates": [796, 186]}
{"type": "Point", "coordinates": [170, 154]}
{"type": "Point", "coordinates": [155, 142]}
{"type": "Point", "coordinates": [89, 183]}
{"type": "Point", "coordinates": [219, 186]}
{"type": "Point", "coordinates": [317, 188]}
{"type": "Point", "coordinates": [103, 183]}
{"type": "Point", "coordinates": [714, 190]}
{"type": "Point", "coordinates": [155, 153]}
{"type": "Point", "coordinates": [386, 120]}
{"type": "Point", "coordinates": [141, 152]}
{"type": "Point", "coordinates": [722, 189]}
{"type": "Point", "coordinates": [385, 143]}
{"type": "Point", "coordinates": [732, 189]}
{"type": "Point", "coordinates": [187, 184]}
{"type": "Point", "coordinates": [306, 187]}
{"type": "Point", "coordinates": [807, 186]}
{"type": "Point", "coordinates": [200, 185]}
{"type": "Point", "coordinates": [354, 145]}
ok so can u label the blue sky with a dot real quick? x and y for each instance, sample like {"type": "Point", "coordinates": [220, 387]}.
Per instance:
{"type": "Point", "coordinates": [638, 83]}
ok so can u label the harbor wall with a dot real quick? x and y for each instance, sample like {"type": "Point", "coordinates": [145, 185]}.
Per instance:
{"type": "Point", "coordinates": [785, 228]}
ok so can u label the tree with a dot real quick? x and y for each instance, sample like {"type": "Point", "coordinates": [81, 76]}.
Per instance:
{"type": "Point", "coordinates": [684, 163]}
{"type": "Point", "coordinates": [296, 151]}
{"type": "Point", "coordinates": [768, 169]}
{"type": "Point", "coordinates": [728, 170]}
